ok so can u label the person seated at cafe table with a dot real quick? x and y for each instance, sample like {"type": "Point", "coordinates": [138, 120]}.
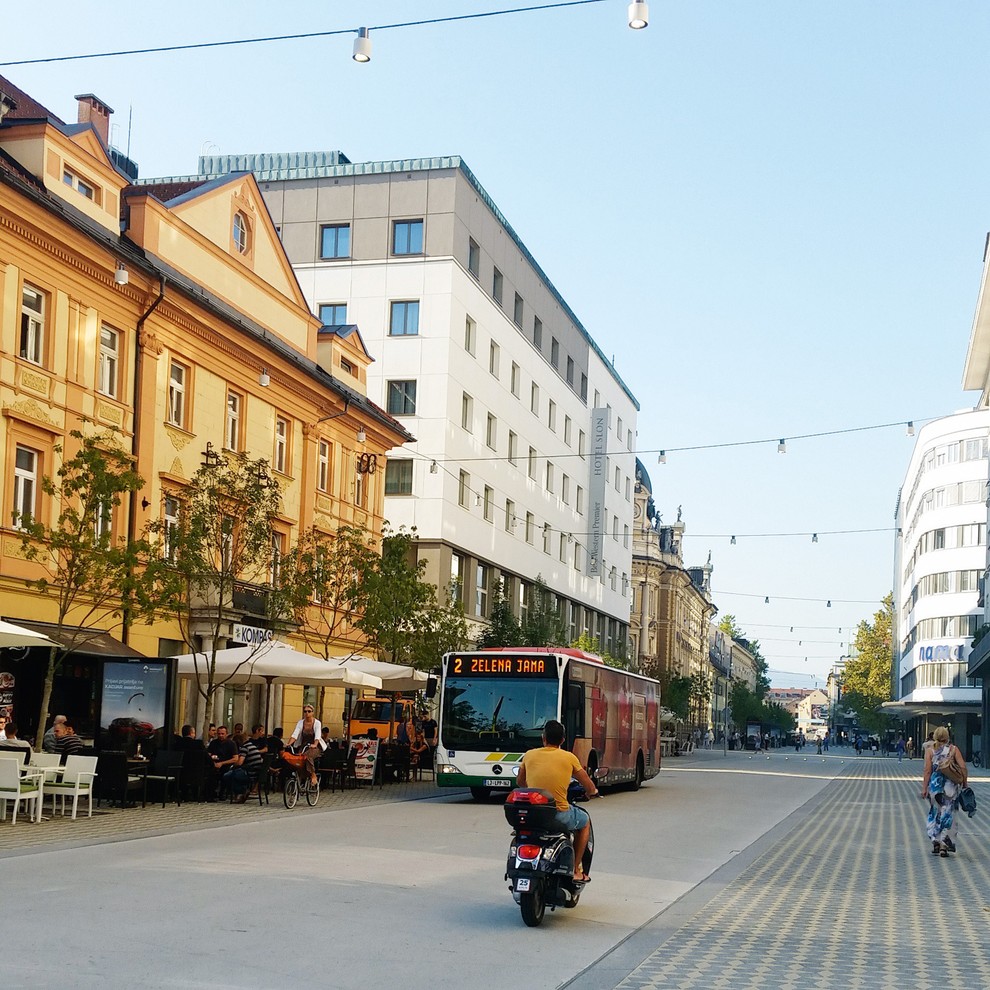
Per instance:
{"type": "Point", "coordinates": [50, 743]}
{"type": "Point", "coordinates": [259, 738]}
{"type": "Point", "coordinates": [186, 741]}
{"type": "Point", "coordinates": [11, 740]}
{"type": "Point", "coordinates": [223, 754]}
{"type": "Point", "coordinates": [419, 751]}
{"type": "Point", "coordinates": [68, 742]}
{"type": "Point", "coordinates": [242, 774]}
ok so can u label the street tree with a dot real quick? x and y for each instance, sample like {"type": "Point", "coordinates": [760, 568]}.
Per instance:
{"type": "Point", "coordinates": [866, 679]}
{"type": "Point", "coordinates": [218, 542]}
{"type": "Point", "coordinates": [588, 645]}
{"type": "Point", "coordinates": [675, 693]}
{"type": "Point", "coordinates": [90, 570]}
{"type": "Point", "coordinates": [542, 625]}
{"type": "Point", "coordinates": [396, 597]}
{"type": "Point", "coordinates": [729, 625]}
{"type": "Point", "coordinates": [439, 628]}
{"type": "Point", "coordinates": [503, 627]}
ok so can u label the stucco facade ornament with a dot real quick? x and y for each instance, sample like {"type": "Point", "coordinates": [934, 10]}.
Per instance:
{"type": "Point", "coordinates": [150, 343]}
{"type": "Point", "coordinates": [29, 409]}
{"type": "Point", "coordinates": [178, 439]}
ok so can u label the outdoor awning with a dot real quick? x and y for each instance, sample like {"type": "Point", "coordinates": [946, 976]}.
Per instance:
{"type": "Point", "coordinates": [912, 709]}
{"type": "Point", "coordinates": [88, 642]}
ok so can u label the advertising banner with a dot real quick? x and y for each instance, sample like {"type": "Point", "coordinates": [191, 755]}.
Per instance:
{"type": "Point", "coordinates": [596, 488]}
{"type": "Point", "coordinates": [7, 681]}
{"type": "Point", "coordinates": [134, 699]}
{"type": "Point", "coordinates": [367, 757]}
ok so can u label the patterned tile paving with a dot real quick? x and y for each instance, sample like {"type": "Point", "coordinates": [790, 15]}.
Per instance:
{"type": "Point", "coordinates": [853, 900]}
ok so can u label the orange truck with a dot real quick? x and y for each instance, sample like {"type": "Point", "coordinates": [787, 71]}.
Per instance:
{"type": "Point", "coordinates": [381, 712]}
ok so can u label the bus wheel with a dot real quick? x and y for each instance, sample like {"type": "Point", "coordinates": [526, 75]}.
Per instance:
{"type": "Point", "coordinates": [479, 793]}
{"type": "Point", "coordinates": [635, 783]}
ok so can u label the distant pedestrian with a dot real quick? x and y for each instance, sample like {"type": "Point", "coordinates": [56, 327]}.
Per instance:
{"type": "Point", "coordinates": [909, 747]}
{"type": "Point", "coordinates": [709, 739]}
{"type": "Point", "coordinates": [825, 742]}
{"type": "Point", "coordinates": [927, 745]}
{"type": "Point", "coordinates": [900, 747]}
{"type": "Point", "coordinates": [859, 745]}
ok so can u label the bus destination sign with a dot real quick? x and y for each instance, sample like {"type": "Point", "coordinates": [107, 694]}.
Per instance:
{"type": "Point", "coordinates": [502, 665]}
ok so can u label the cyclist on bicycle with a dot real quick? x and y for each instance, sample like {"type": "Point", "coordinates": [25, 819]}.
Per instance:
{"type": "Point", "coordinates": [307, 739]}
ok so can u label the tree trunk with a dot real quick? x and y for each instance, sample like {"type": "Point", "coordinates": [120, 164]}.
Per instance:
{"type": "Point", "coordinates": [46, 697]}
{"type": "Point", "coordinates": [211, 691]}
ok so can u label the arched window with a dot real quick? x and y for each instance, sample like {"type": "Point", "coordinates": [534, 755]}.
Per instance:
{"type": "Point", "coordinates": [240, 233]}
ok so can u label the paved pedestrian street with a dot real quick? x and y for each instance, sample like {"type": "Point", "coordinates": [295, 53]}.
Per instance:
{"type": "Point", "coordinates": [844, 895]}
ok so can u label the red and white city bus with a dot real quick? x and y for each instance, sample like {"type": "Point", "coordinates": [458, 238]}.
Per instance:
{"type": "Point", "coordinates": [494, 704]}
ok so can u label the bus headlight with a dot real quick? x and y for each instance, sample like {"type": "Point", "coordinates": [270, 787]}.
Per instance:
{"type": "Point", "coordinates": [448, 768]}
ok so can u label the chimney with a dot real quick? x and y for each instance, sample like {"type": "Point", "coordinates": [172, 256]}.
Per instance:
{"type": "Point", "coordinates": [93, 110]}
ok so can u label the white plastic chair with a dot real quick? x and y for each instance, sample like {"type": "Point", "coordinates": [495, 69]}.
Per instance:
{"type": "Point", "coordinates": [19, 790]}
{"type": "Point", "coordinates": [45, 761]}
{"type": "Point", "coordinates": [76, 781]}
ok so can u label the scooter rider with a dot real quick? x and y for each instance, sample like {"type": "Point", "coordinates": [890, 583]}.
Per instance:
{"type": "Point", "coordinates": [550, 769]}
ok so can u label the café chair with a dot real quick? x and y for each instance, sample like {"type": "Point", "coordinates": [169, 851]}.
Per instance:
{"type": "Point", "coordinates": [116, 784]}
{"type": "Point", "coordinates": [166, 769]}
{"type": "Point", "coordinates": [18, 790]}
{"type": "Point", "coordinates": [76, 781]}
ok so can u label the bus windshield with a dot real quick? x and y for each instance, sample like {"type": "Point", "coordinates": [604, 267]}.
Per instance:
{"type": "Point", "coordinates": [488, 713]}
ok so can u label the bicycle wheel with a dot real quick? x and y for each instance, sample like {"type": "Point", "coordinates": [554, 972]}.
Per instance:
{"type": "Point", "coordinates": [313, 792]}
{"type": "Point", "coordinates": [290, 790]}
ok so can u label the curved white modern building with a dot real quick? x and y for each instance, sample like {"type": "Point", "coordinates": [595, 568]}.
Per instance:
{"type": "Point", "coordinates": [940, 557]}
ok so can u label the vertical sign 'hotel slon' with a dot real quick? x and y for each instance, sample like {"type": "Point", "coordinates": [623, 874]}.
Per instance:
{"type": "Point", "coordinates": [596, 487]}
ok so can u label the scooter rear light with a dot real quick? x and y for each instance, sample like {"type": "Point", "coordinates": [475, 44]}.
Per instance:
{"type": "Point", "coordinates": [526, 797]}
{"type": "Point", "coordinates": [529, 852]}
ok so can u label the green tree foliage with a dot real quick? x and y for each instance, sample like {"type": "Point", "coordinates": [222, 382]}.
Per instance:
{"type": "Point", "coordinates": [866, 680]}
{"type": "Point", "coordinates": [503, 628]}
{"type": "Point", "coordinates": [729, 625]}
{"type": "Point", "coordinates": [700, 697]}
{"type": "Point", "coordinates": [223, 542]}
{"type": "Point", "coordinates": [439, 628]}
{"type": "Point", "coordinates": [675, 693]}
{"type": "Point", "coordinates": [745, 705]}
{"type": "Point", "coordinates": [95, 579]}
{"type": "Point", "coordinates": [778, 716]}
{"type": "Point", "coordinates": [396, 597]}
{"type": "Point", "coordinates": [542, 625]}
{"type": "Point", "coordinates": [588, 645]}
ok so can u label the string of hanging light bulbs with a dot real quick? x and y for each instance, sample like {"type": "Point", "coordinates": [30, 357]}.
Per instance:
{"type": "Point", "coordinates": [637, 15]}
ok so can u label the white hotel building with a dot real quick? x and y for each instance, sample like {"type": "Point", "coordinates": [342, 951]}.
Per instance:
{"type": "Point", "coordinates": [939, 563]}
{"type": "Point", "coordinates": [484, 363]}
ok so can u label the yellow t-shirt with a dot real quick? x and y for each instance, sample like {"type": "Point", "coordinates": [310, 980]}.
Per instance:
{"type": "Point", "coordinates": [550, 769]}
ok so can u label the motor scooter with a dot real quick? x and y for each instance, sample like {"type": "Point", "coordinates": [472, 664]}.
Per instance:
{"type": "Point", "coordinates": [540, 864]}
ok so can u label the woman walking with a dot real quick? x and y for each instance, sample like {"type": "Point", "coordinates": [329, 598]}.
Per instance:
{"type": "Point", "coordinates": [943, 761]}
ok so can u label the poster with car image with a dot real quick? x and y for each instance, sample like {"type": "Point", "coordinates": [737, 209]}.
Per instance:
{"type": "Point", "coordinates": [133, 708]}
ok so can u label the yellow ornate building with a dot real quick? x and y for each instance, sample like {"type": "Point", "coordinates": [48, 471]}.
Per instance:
{"type": "Point", "coordinates": [171, 316]}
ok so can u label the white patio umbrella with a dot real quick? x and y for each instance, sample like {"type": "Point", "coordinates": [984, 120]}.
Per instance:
{"type": "Point", "coordinates": [11, 635]}
{"type": "Point", "coordinates": [277, 663]}
{"type": "Point", "coordinates": [394, 677]}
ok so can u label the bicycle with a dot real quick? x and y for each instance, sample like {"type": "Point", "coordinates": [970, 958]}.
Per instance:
{"type": "Point", "coordinates": [295, 781]}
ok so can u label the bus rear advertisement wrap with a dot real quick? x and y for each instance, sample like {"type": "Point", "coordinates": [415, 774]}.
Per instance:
{"type": "Point", "coordinates": [494, 704]}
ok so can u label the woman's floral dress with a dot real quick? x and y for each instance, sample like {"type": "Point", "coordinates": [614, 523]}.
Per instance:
{"type": "Point", "coordinates": [942, 793]}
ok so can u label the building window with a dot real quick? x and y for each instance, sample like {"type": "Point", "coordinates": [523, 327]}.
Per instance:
{"type": "Point", "coordinates": [170, 518]}
{"type": "Point", "coordinates": [360, 486]}
{"type": "Point", "coordinates": [513, 447]}
{"type": "Point", "coordinates": [628, 489]}
{"type": "Point", "coordinates": [404, 321]}
{"type": "Point", "coordinates": [570, 371]}
{"type": "Point", "coordinates": [467, 412]}
{"type": "Point", "coordinates": [625, 537]}
{"type": "Point", "coordinates": [554, 351]}
{"type": "Point", "coordinates": [552, 415]}
{"type": "Point", "coordinates": [579, 500]}
{"type": "Point", "coordinates": [489, 503]}
{"type": "Point", "coordinates": [577, 556]}
{"type": "Point", "coordinates": [581, 442]}
{"type": "Point", "coordinates": [567, 430]}
{"type": "Point", "coordinates": [463, 489]}
{"type": "Point", "coordinates": [25, 486]}
{"type": "Point", "coordinates": [538, 333]}
{"type": "Point", "coordinates": [240, 233]}
{"type": "Point", "coordinates": [565, 489]}
{"type": "Point", "coordinates": [275, 563]}
{"type": "Point", "coordinates": [510, 515]}
{"type": "Point", "coordinates": [530, 527]}
{"type": "Point", "coordinates": [281, 459]}
{"type": "Point", "coordinates": [81, 186]}
{"type": "Point", "coordinates": [401, 398]}
{"type": "Point", "coordinates": [323, 466]}
{"type": "Point", "coordinates": [178, 375]}
{"type": "Point", "coordinates": [618, 478]}
{"type": "Point", "coordinates": [32, 325]}
{"type": "Point", "coordinates": [514, 377]}
{"type": "Point", "coordinates": [109, 357]}
{"type": "Point", "coordinates": [407, 237]}
{"type": "Point", "coordinates": [532, 463]}
{"type": "Point", "coordinates": [584, 387]}
{"type": "Point", "coordinates": [474, 257]}
{"type": "Point", "coordinates": [232, 433]}
{"type": "Point", "coordinates": [534, 399]}
{"type": "Point", "coordinates": [333, 314]}
{"type": "Point", "coordinates": [482, 577]}
{"type": "Point", "coordinates": [493, 356]}
{"type": "Point", "coordinates": [347, 367]}
{"type": "Point", "coordinates": [550, 477]}
{"type": "Point", "coordinates": [491, 432]}
{"type": "Point", "coordinates": [547, 534]}
{"type": "Point", "coordinates": [517, 310]}
{"type": "Point", "coordinates": [497, 286]}
{"type": "Point", "coordinates": [563, 548]}
{"type": "Point", "coordinates": [457, 576]}
{"type": "Point", "coordinates": [103, 521]}
{"type": "Point", "coordinates": [398, 476]}
{"type": "Point", "coordinates": [470, 335]}
{"type": "Point", "coordinates": [335, 241]}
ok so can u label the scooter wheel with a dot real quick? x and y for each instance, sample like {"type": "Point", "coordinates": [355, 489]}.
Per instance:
{"type": "Point", "coordinates": [533, 905]}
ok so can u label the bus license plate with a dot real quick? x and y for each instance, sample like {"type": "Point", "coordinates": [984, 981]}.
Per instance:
{"type": "Point", "coordinates": [498, 782]}
{"type": "Point", "coordinates": [522, 884]}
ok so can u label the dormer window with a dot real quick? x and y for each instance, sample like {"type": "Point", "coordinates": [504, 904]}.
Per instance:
{"type": "Point", "coordinates": [346, 366]}
{"type": "Point", "coordinates": [82, 187]}
{"type": "Point", "coordinates": [240, 233]}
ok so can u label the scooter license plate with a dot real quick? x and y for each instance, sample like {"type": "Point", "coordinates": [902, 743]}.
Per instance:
{"type": "Point", "coordinates": [522, 884]}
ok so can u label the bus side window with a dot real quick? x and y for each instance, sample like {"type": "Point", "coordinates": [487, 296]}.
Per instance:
{"type": "Point", "coordinates": [574, 716]}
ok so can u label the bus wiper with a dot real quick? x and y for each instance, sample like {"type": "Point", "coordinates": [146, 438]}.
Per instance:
{"type": "Point", "coordinates": [498, 708]}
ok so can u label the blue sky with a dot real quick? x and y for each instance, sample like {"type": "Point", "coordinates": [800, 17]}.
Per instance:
{"type": "Point", "coordinates": [772, 213]}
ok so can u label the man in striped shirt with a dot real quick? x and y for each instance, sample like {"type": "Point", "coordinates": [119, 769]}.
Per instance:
{"type": "Point", "coordinates": [244, 771]}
